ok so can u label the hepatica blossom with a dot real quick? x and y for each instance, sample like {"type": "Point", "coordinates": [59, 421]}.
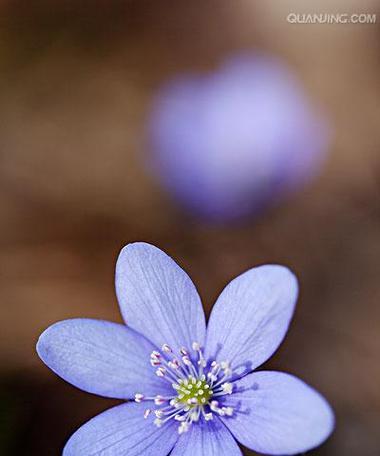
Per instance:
{"type": "Point", "coordinates": [228, 143]}
{"type": "Point", "coordinates": [188, 390]}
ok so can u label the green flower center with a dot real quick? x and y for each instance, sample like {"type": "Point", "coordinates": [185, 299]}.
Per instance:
{"type": "Point", "coordinates": [194, 392]}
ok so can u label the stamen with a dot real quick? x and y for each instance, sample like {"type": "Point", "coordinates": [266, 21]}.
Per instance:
{"type": "Point", "coordinates": [174, 364]}
{"type": "Point", "coordinates": [160, 372]}
{"type": "Point", "coordinates": [139, 397]}
{"type": "Point", "coordinates": [224, 365]}
{"type": "Point", "coordinates": [159, 400]}
{"type": "Point", "coordinates": [195, 387]}
{"type": "Point", "coordinates": [158, 422]}
{"type": "Point", "coordinates": [227, 388]}
{"type": "Point", "coordinates": [166, 348]}
{"type": "Point", "coordinates": [196, 346]}
{"type": "Point", "coordinates": [183, 427]}
{"type": "Point", "coordinates": [229, 411]}
{"type": "Point", "coordinates": [214, 406]}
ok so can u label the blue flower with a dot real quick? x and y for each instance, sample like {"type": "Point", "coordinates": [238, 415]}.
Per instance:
{"type": "Point", "coordinates": [226, 144]}
{"type": "Point", "coordinates": [189, 391]}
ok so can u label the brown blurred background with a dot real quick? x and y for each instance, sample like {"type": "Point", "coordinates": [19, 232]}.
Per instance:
{"type": "Point", "coordinates": [76, 81]}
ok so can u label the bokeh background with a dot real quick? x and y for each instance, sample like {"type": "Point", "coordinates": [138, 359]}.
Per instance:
{"type": "Point", "coordinates": [76, 83]}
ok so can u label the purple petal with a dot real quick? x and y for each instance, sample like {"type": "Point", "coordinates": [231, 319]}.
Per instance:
{"type": "Point", "coordinates": [100, 357]}
{"type": "Point", "coordinates": [211, 439]}
{"type": "Point", "coordinates": [276, 413]}
{"type": "Point", "coordinates": [157, 298]}
{"type": "Point", "coordinates": [122, 430]}
{"type": "Point", "coordinates": [251, 317]}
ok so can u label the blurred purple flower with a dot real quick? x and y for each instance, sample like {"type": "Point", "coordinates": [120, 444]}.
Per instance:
{"type": "Point", "coordinates": [227, 144]}
{"type": "Point", "coordinates": [198, 391]}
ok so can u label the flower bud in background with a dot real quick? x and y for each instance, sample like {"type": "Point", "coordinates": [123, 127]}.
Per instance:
{"type": "Point", "coordinates": [229, 143]}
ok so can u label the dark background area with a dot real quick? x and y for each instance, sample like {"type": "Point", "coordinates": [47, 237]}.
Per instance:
{"type": "Point", "coordinates": [76, 83]}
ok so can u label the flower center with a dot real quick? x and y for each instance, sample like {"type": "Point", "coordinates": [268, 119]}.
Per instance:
{"type": "Point", "coordinates": [197, 387]}
{"type": "Point", "coordinates": [193, 392]}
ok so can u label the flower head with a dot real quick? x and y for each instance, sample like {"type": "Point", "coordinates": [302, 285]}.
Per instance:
{"type": "Point", "coordinates": [188, 390]}
{"type": "Point", "coordinates": [228, 143]}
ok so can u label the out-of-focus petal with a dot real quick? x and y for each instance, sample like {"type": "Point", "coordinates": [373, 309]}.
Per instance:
{"type": "Point", "coordinates": [251, 316]}
{"type": "Point", "coordinates": [210, 438]}
{"type": "Point", "coordinates": [119, 431]}
{"type": "Point", "coordinates": [100, 357]}
{"type": "Point", "coordinates": [276, 413]}
{"type": "Point", "coordinates": [157, 297]}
